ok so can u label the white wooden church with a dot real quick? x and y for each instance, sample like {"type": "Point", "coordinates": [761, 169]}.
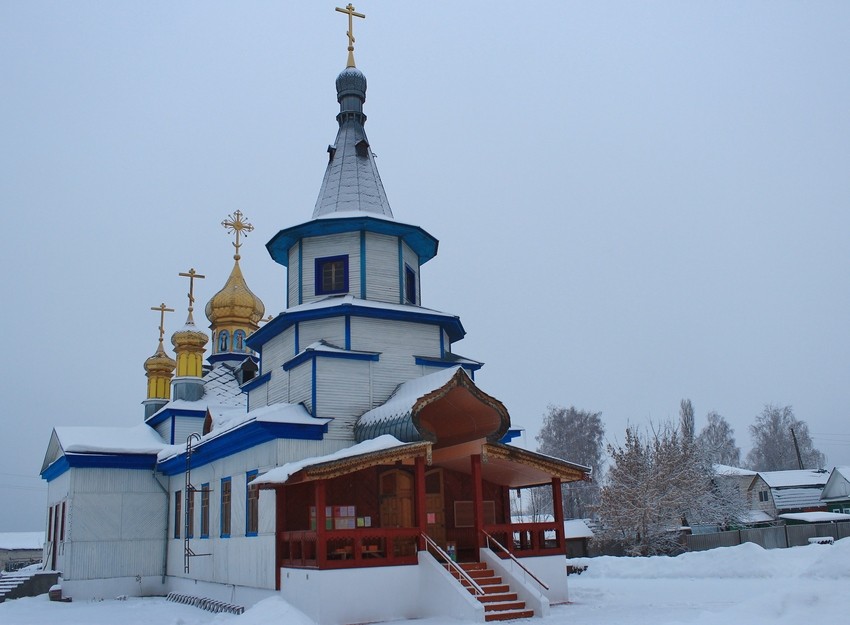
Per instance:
{"type": "Point", "coordinates": [341, 455]}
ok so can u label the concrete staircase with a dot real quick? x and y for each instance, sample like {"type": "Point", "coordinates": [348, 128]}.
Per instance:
{"type": "Point", "coordinates": [500, 601]}
{"type": "Point", "coordinates": [26, 584]}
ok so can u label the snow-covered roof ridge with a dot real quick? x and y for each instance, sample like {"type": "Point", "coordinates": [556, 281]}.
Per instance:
{"type": "Point", "coordinates": [725, 469]}
{"type": "Point", "coordinates": [281, 474]}
{"type": "Point", "coordinates": [799, 478]}
{"type": "Point", "coordinates": [139, 439]}
{"type": "Point", "coordinates": [339, 300]}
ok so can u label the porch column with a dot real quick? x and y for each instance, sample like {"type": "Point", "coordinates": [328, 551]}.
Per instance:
{"type": "Point", "coordinates": [321, 542]}
{"type": "Point", "coordinates": [478, 500]}
{"type": "Point", "coordinates": [558, 512]}
{"type": "Point", "coordinates": [419, 502]}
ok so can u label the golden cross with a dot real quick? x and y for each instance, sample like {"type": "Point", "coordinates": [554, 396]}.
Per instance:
{"type": "Point", "coordinates": [192, 275]}
{"type": "Point", "coordinates": [349, 10]}
{"type": "Point", "coordinates": [162, 310]}
{"type": "Point", "coordinates": [235, 223]}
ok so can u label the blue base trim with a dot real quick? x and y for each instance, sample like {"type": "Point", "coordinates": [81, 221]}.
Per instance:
{"type": "Point", "coordinates": [98, 461]}
{"type": "Point", "coordinates": [312, 355]}
{"type": "Point", "coordinates": [348, 332]}
{"type": "Point", "coordinates": [419, 241]}
{"type": "Point", "coordinates": [451, 325]}
{"type": "Point", "coordinates": [166, 413]}
{"type": "Point", "coordinates": [238, 440]}
{"type": "Point", "coordinates": [250, 385]}
{"type": "Point", "coordinates": [237, 357]}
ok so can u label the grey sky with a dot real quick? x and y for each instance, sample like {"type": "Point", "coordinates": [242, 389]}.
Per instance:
{"type": "Point", "coordinates": [635, 202]}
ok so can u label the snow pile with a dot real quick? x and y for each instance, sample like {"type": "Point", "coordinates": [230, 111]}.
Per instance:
{"type": "Point", "coordinates": [274, 610]}
{"type": "Point", "coordinates": [745, 561]}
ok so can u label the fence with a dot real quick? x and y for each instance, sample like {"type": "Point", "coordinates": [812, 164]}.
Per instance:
{"type": "Point", "coordinates": [770, 537]}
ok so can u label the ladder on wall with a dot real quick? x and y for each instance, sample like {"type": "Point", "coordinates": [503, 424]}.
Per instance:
{"type": "Point", "coordinates": [189, 491]}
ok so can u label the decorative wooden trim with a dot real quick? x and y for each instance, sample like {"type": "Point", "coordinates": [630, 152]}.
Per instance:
{"type": "Point", "coordinates": [565, 471]}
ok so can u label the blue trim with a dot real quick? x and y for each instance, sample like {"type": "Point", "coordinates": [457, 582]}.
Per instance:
{"type": "Point", "coordinates": [362, 264]}
{"type": "Point", "coordinates": [437, 362]}
{"type": "Point", "coordinates": [205, 487]}
{"type": "Point", "coordinates": [173, 424]}
{"type": "Point", "coordinates": [348, 332]}
{"type": "Point", "coordinates": [297, 338]}
{"type": "Point", "coordinates": [318, 268]}
{"type": "Point", "coordinates": [442, 344]}
{"type": "Point", "coordinates": [451, 325]}
{"type": "Point", "coordinates": [400, 272]}
{"type": "Point", "coordinates": [312, 355]}
{"type": "Point", "coordinates": [313, 392]}
{"type": "Point", "coordinates": [222, 534]}
{"type": "Point", "coordinates": [250, 475]}
{"type": "Point", "coordinates": [422, 243]}
{"type": "Point", "coordinates": [165, 413]}
{"type": "Point", "coordinates": [98, 461]}
{"type": "Point", "coordinates": [240, 439]}
{"type": "Point", "coordinates": [510, 435]}
{"type": "Point", "coordinates": [250, 385]}
{"type": "Point", "coordinates": [300, 273]}
{"type": "Point", "coordinates": [410, 291]}
{"type": "Point", "coordinates": [225, 356]}
{"type": "Point", "coordinates": [178, 518]}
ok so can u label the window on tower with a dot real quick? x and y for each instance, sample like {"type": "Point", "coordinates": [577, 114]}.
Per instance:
{"type": "Point", "coordinates": [239, 341]}
{"type": "Point", "coordinates": [223, 340]}
{"type": "Point", "coordinates": [331, 275]}
{"type": "Point", "coordinates": [409, 285]}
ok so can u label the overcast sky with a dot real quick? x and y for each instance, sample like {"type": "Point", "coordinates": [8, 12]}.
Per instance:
{"type": "Point", "coordinates": [636, 202]}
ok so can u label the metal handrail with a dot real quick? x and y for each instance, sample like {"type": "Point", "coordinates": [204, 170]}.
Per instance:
{"type": "Point", "coordinates": [512, 557]}
{"type": "Point", "coordinates": [453, 565]}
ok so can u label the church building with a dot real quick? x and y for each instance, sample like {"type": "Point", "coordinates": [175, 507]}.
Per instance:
{"type": "Point", "coordinates": [340, 455]}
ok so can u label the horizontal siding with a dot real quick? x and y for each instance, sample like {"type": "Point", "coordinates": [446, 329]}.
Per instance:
{"type": "Point", "coordinates": [278, 350]}
{"type": "Point", "coordinates": [292, 277]}
{"type": "Point", "coordinates": [278, 387]}
{"type": "Point", "coordinates": [185, 426]}
{"type": "Point", "coordinates": [343, 394]}
{"type": "Point", "coordinates": [331, 330]}
{"type": "Point", "coordinates": [164, 430]}
{"type": "Point", "coordinates": [347, 243]}
{"type": "Point", "coordinates": [259, 397]}
{"type": "Point", "coordinates": [398, 342]}
{"type": "Point", "coordinates": [301, 385]}
{"type": "Point", "coordinates": [411, 259]}
{"type": "Point", "coordinates": [122, 558]}
{"type": "Point", "coordinates": [382, 280]}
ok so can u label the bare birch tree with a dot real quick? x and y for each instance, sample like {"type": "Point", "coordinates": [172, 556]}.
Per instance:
{"type": "Point", "coordinates": [773, 443]}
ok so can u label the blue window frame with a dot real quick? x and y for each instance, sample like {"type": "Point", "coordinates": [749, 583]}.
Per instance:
{"type": "Point", "coordinates": [178, 517]}
{"type": "Point", "coordinates": [409, 285]}
{"type": "Point", "coordinates": [205, 510]}
{"type": "Point", "coordinates": [226, 501]}
{"type": "Point", "coordinates": [331, 275]}
{"type": "Point", "coordinates": [252, 504]}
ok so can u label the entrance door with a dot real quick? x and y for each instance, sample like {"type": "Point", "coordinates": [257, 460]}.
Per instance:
{"type": "Point", "coordinates": [396, 499]}
{"type": "Point", "coordinates": [435, 506]}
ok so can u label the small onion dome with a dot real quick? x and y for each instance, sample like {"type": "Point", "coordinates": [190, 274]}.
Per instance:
{"type": "Point", "coordinates": [351, 81]}
{"type": "Point", "coordinates": [160, 363]}
{"type": "Point", "coordinates": [189, 338]}
{"type": "Point", "coordinates": [235, 303]}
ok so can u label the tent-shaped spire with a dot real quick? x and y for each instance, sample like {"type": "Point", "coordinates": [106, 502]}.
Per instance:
{"type": "Point", "coordinates": [351, 182]}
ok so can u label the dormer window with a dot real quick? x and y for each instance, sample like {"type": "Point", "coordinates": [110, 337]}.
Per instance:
{"type": "Point", "coordinates": [332, 275]}
{"type": "Point", "coordinates": [409, 285]}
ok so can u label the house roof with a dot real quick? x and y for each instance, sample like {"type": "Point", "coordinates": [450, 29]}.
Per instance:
{"type": "Point", "coordinates": [725, 469]}
{"type": "Point", "coordinates": [794, 498]}
{"type": "Point", "coordinates": [105, 440]}
{"type": "Point", "coordinates": [815, 517]}
{"type": "Point", "coordinates": [795, 478]}
{"type": "Point", "coordinates": [577, 528]}
{"type": "Point", "coordinates": [838, 485]}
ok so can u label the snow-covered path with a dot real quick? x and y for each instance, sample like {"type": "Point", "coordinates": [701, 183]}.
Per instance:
{"type": "Point", "coordinates": [731, 586]}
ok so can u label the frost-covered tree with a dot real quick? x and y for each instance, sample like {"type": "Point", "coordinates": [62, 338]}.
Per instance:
{"type": "Point", "coordinates": [575, 435]}
{"type": "Point", "coordinates": [656, 483]}
{"type": "Point", "coordinates": [717, 441]}
{"type": "Point", "coordinates": [687, 425]}
{"type": "Point", "coordinates": [773, 443]}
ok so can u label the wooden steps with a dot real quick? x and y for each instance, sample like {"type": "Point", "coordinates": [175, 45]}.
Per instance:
{"type": "Point", "coordinates": [500, 602]}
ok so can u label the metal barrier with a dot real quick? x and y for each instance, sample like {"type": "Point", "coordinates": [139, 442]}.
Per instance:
{"type": "Point", "coordinates": [777, 537]}
{"type": "Point", "coordinates": [205, 603]}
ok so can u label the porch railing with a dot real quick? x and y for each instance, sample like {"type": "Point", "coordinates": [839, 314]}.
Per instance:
{"type": "Point", "coordinates": [529, 539]}
{"type": "Point", "coordinates": [342, 549]}
{"type": "Point", "coordinates": [454, 568]}
{"type": "Point", "coordinates": [500, 547]}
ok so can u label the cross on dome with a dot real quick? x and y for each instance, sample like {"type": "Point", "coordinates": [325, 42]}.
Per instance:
{"type": "Point", "coordinates": [235, 224]}
{"type": "Point", "coordinates": [349, 10]}
{"type": "Point", "coordinates": [192, 275]}
{"type": "Point", "coordinates": [162, 310]}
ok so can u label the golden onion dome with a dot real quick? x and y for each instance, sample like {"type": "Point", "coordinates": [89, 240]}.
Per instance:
{"type": "Point", "coordinates": [189, 337]}
{"type": "Point", "coordinates": [160, 363]}
{"type": "Point", "coordinates": [235, 303]}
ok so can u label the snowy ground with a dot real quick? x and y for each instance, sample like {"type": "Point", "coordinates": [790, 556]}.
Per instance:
{"type": "Point", "coordinates": [729, 586]}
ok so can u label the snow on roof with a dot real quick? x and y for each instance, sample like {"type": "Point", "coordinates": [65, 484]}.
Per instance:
{"type": "Point", "coordinates": [280, 474]}
{"type": "Point", "coordinates": [21, 540]}
{"type": "Point", "coordinates": [725, 469]}
{"type": "Point", "coordinates": [140, 439]}
{"type": "Point", "coordinates": [408, 393]}
{"type": "Point", "coordinates": [795, 478]}
{"type": "Point", "coordinates": [221, 386]}
{"type": "Point", "coordinates": [756, 516]}
{"type": "Point", "coordinates": [227, 418]}
{"type": "Point", "coordinates": [339, 300]}
{"type": "Point", "coordinates": [790, 498]}
{"type": "Point", "coordinates": [815, 517]}
{"type": "Point", "coordinates": [577, 528]}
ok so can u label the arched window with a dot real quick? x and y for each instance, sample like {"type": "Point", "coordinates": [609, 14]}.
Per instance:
{"type": "Point", "coordinates": [239, 341]}
{"type": "Point", "coordinates": [223, 340]}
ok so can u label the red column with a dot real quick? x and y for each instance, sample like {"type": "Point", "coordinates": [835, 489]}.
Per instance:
{"type": "Point", "coordinates": [321, 543]}
{"type": "Point", "coordinates": [558, 510]}
{"type": "Point", "coordinates": [478, 500]}
{"type": "Point", "coordinates": [419, 501]}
